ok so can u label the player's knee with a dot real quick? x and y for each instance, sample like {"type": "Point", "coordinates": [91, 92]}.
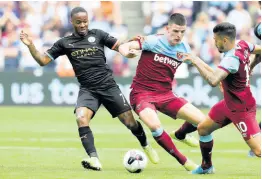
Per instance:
{"type": "Point", "coordinates": [81, 119]}
{"type": "Point", "coordinates": [131, 125]}
{"type": "Point", "coordinates": [202, 131]}
{"type": "Point", "coordinates": [128, 120]}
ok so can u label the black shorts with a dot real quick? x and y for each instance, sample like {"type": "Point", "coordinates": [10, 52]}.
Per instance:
{"type": "Point", "coordinates": [113, 100]}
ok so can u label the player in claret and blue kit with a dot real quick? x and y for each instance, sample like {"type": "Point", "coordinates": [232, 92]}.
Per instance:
{"type": "Point", "coordinates": [238, 105]}
{"type": "Point", "coordinates": [152, 86]}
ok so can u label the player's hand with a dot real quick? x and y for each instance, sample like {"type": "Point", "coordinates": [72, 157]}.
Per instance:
{"type": "Point", "coordinates": [25, 39]}
{"type": "Point", "coordinates": [138, 37]}
{"type": "Point", "coordinates": [188, 58]}
{"type": "Point", "coordinates": [221, 87]}
{"type": "Point", "coordinates": [132, 53]}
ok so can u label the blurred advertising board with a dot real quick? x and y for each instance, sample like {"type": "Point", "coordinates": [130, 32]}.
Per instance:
{"type": "Point", "coordinates": [21, 88]}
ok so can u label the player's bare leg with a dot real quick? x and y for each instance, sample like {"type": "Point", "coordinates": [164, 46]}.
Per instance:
{"type": "Point", "coordinates": [137, 130]}
{"type": "Point", "coordinates": [84, 116]}
{"type": "Point", "coordinates": [150, 118]}
{"type": "Point", "coordinates": [254, 147]}
{"type": "Point", "coordinates": [205, 129]}
{"type": "Point", "coordinates": [193, 116]}
{"type": "Point", "coordinates": [255, 144]}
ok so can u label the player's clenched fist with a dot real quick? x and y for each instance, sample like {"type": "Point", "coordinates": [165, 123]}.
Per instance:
{"type": "Point", "coordinates": [25, 39]}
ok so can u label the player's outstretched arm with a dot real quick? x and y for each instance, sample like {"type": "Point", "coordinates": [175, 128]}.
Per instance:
{"type": "Point", "coordinates": [213, 77]}
{"type": "Point", "coordinates": [253, 62]}
{"type": "Point", "coordinates": [42, 60]}
{"type": "Point", "coordinates": [129, 49]}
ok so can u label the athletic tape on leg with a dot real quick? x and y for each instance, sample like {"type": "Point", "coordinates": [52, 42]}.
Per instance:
{"type": "Point", "coordinates": [157, 132]}
{"type": "Point", "coordinates": [206, 138]}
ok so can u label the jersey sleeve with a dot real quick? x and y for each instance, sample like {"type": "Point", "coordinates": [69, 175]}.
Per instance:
{"type": "Point", "coordinates": [229, 64]}
{"type": "Point", "coordinates": [56, 50]}
{"type": "Point", "coordinates": [149, 42]}
{"type": "Point", "coordinates": [108, 40]}
{"type": "Point", "coordinates": [187, 50]}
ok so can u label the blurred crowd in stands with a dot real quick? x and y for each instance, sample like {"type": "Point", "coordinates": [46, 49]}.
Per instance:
{"type": "Point", "coordinates": [47, 21]}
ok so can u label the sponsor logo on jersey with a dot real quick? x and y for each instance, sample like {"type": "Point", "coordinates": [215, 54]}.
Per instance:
{"type": "Point", "coordinates": [166, 60]}
{"type": "Point", "coordinates": [84, 52]}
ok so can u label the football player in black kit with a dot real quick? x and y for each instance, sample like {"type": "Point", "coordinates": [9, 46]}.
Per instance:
{"type": "Point", "coordinates": [85, 50]}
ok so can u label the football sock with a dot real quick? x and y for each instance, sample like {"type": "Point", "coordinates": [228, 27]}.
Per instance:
{"type": "Point", "coordinates": [140, 134]}
{"type": "Point", "coordinates": [87, 139]}
{"type": "Point", "coordinates": [185, 129]}
{"type": "Point", "coordinates": [206, 145]}
{"type": "Point", "coordinates": [164, 140]}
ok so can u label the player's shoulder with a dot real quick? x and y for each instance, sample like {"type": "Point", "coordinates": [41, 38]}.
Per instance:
{"type": "Point", "coordinates": [150, 40]}
{"type": "Point", "coordinates": [241, 42]}
{"type": "Point", "coordinates": [185, 45]}
{"type": "Point", "coordinates": [243, 45]}
{"type": "Point", "coordinates": [154, 37]}
{"type": "Point", "coordinates": [96, 32]}
{"type": "Point", "coordinates": [65, 38]}
{"type": "Point", "coordinates": [61, 41]}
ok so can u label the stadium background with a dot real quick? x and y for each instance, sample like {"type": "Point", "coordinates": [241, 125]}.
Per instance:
{"type": "Point", "coordinates": [42, 142]}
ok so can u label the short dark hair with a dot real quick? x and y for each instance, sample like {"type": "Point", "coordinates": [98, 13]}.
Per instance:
{"type": "Point", "coordinates": [225, 29]}
{"type": "Point", "coordinates": [178, 19]}
{"type": "Point", "coordinates": [77, 10]}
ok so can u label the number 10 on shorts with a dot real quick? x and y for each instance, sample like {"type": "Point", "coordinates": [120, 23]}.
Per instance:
{"type": "Point", "coordinates": [242, 127]}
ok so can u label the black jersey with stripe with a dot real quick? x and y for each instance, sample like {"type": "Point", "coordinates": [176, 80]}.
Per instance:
{"type": "Point", "coordinates": [87, 56]}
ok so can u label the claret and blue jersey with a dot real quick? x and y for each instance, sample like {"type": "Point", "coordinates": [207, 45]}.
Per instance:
{"type": "Point", "coordinates": [158, 44]}
{"type": "Point", "coordinates": [236, 87]}
{"type": "Point", "coordinates": [158, 63]}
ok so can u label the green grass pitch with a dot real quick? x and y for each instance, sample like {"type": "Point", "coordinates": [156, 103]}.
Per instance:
{"type": "Point", "coordinates": [43, 143]}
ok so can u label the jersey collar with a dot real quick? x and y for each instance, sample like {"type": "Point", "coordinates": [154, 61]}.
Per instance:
{"type": "Point", "coordinates": [76, 35]}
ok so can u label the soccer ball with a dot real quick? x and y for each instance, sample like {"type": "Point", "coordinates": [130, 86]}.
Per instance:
{"type": "Point", "coordinates": [135, 161]}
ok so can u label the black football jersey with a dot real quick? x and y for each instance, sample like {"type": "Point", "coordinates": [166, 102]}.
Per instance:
{"type": "Point", "coordinates": [86, 54]}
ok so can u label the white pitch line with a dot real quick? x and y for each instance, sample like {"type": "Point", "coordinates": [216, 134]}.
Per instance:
{"type": "Point", "coordinates": [107, 149]}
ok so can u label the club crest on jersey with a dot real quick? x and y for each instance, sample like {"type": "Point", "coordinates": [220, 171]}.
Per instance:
{"type": "Point", "coordinates": [91, 39]}
{"type": "Point", "coordinates": [179, 55]}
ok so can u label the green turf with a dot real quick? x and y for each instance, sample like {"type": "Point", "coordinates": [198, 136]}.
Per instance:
{"type": "Point", "coordinates": [43, 143]}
